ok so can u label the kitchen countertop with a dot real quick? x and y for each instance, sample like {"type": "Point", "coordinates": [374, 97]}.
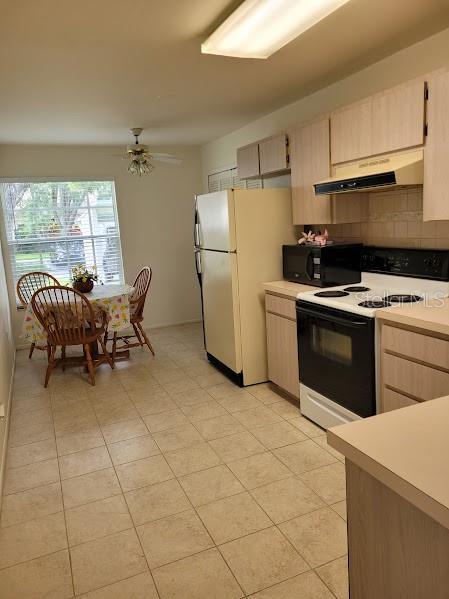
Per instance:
{"type": "Point", "coordinates": [407, 450]}
{"type": "Point", "coordinates": [287, 289]}
{"type": "Point", "coordinates": [431, 316]}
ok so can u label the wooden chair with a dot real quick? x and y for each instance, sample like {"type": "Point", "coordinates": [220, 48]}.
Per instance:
{"type": "Point", "coordinates": [27, 285]}
{"type": "Point", "coordinates": [136, 306]}
{"type": "Point", "coordinates": [69, 319]}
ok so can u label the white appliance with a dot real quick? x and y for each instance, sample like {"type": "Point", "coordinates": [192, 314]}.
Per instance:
{"type": "Point", "coordinates": [238, 245]}
{"type": "Point", "coordinates": [337, 334]}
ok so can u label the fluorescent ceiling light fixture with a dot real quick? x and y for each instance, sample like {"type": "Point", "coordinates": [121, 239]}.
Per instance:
{"type": "Point", "coordinates": [259, 28]}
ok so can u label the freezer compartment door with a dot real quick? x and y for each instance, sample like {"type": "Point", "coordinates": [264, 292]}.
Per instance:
{"type": "Point", "coordinates": [221, 307]}
{"type": "Point", "coordinates": [215, 228]}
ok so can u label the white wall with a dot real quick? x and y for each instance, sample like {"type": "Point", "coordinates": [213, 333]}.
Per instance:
{"type": "Point", "coordinates": [155, 216]}
{"type": "Point", "coordinates": [6, 361]}
{"type": "Point", "coordinates": [425, 56]}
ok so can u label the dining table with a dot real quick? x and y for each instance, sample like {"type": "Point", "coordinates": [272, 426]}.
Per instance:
{"type": "Point", "coordinates": [111, 299]}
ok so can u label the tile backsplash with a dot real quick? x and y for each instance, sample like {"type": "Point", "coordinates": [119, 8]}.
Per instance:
{"type": "Point", "coordinates": [395, 220]}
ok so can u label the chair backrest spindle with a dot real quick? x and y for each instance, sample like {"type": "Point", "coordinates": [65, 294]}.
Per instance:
{"type": "Point", "coordinates": [66, 315]}
{"type": "Point", "coordinates": [30, 282]}
{"type": "Point", "coordinates": [141, 286]}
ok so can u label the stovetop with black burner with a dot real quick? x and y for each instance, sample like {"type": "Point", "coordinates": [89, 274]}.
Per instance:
{"type": "Point", "coordinates": [391, 277]}
{"type": "Point", "coordinates": [403, 298]}
{"type": "Point", "coordinates": [374, 304]}
{"type": "Point", "coordinates": [330, 293]}
{"type": "Point", "coordinates": [356, 288]}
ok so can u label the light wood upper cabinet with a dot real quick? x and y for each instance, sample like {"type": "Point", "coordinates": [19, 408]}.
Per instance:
{"type": "Point", "coordinates": [351, 132]}
{"type": "Point", "coordinates": [273, 154]}
{"type": "Point", "coordinates": [398, 118]}
{"type": "Point", "coordinates": [264, 157]}
{"type": "Point", "coordinates": [386, 122]}
{"type": "Point", "coordinates": [248, 161]}
{"type": "Point", "coordinates": [309, 161]}
{"type": "Point", "coordinates": [436, 151]}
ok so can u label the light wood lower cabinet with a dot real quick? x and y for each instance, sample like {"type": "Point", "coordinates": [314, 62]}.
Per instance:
{"type": "Point", "coordinates": [394, 401]}
{"type": "Point", "coordinates": [414, 367]}
{"type": "Point", "coordinates": [417, 380]}
{"type": "Point", "coordinates": [281, 306]}
{"type": "Point", "coordinates": [395, 550]}
{"type": "Point", "coordinates": [416, 346]}
{"type": "Point", "coordinates": [282, 346]}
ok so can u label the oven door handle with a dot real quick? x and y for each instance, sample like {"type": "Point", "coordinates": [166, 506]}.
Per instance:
{"type": "Point", "coordinates": [331, 318]}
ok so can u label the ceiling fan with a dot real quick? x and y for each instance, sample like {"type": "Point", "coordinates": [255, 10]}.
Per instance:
{"type": "Point", "coordinates": [141, 158]}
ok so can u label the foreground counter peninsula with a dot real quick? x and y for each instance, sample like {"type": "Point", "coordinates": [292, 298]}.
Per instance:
{"type": "Point", "coordinates": [397, 479]}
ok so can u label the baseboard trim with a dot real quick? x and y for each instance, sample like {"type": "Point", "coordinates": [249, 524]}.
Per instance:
{"type": "Point", "coordinates": [172, 324]}
{"type": "Point", "coordinates": [7, 423]}
{"type": "Point", "coordinates": [20, 346]}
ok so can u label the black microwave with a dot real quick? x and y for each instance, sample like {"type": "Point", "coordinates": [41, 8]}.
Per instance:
{"type": "Point", "coordinates": [322, 266]}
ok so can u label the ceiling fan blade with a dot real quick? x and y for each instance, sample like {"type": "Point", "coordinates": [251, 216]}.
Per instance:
{"type": "Point", "coordinates": [166, 158]}
{"type": "Point", "coordinates": [162, 154]}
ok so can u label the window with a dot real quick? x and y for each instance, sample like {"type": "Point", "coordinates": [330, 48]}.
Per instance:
{"type": "Point", "coordinates": [53, 225]}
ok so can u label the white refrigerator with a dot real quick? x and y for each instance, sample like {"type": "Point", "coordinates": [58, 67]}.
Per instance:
{"type": "Point", "coordinates": [238, 241]}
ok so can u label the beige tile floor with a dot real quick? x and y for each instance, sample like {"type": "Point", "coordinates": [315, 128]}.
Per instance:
{"type": "Point", "coordinates": [167, 481]}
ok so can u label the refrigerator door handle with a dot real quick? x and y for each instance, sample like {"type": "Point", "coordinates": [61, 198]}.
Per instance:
{"type": "Point", "coordinates": [198, 263]}
{"type": "Point", "coordinates": [196, 226]}
{"type": "Point", "coordinates": [196, 234]}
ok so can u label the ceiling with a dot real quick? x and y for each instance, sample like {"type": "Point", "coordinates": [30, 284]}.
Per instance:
{"type": "Point", "coordinates": [84, 72]}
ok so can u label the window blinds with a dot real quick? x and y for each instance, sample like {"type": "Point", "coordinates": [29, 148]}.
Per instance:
{"type": "Point", "coordinates": [53, 226]}
{"type": "Point", "coordinates": [229, 179]}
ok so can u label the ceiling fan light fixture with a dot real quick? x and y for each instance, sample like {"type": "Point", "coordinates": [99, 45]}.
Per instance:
{"type": "Point", "coordinates": [140, 165]}
{"type": "Point", "coordinates": [141, 159]}
{"type": "Point", "coordinates": [259, 28]}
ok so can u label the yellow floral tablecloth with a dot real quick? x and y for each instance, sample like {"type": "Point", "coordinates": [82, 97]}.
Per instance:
{"type": "Point", "coordinates": [111, 299]}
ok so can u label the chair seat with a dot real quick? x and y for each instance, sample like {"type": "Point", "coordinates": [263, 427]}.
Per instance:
{"type": "Point", "coordinates": [69, 320]}
{"type": "Point", "coordinates": [92, 334]}
{"type": "Point", "coordinates": [136, 306]}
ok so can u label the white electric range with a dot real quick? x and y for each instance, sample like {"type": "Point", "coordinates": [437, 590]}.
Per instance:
{"type": "Point", "coordinates": [337, 330]}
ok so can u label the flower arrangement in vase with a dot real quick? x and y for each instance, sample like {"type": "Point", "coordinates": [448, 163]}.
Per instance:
{"type": "Point", "coordinates": [310, 238]}
{"type": "Point", "coordinates": [83, 278]}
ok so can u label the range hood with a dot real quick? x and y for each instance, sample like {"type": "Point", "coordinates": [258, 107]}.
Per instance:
{"type": "Point", "coordinates": [393, 170]}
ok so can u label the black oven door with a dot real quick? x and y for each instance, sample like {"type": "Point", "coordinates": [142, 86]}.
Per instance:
{"type": "Point", "coordinates": [336, 356]}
